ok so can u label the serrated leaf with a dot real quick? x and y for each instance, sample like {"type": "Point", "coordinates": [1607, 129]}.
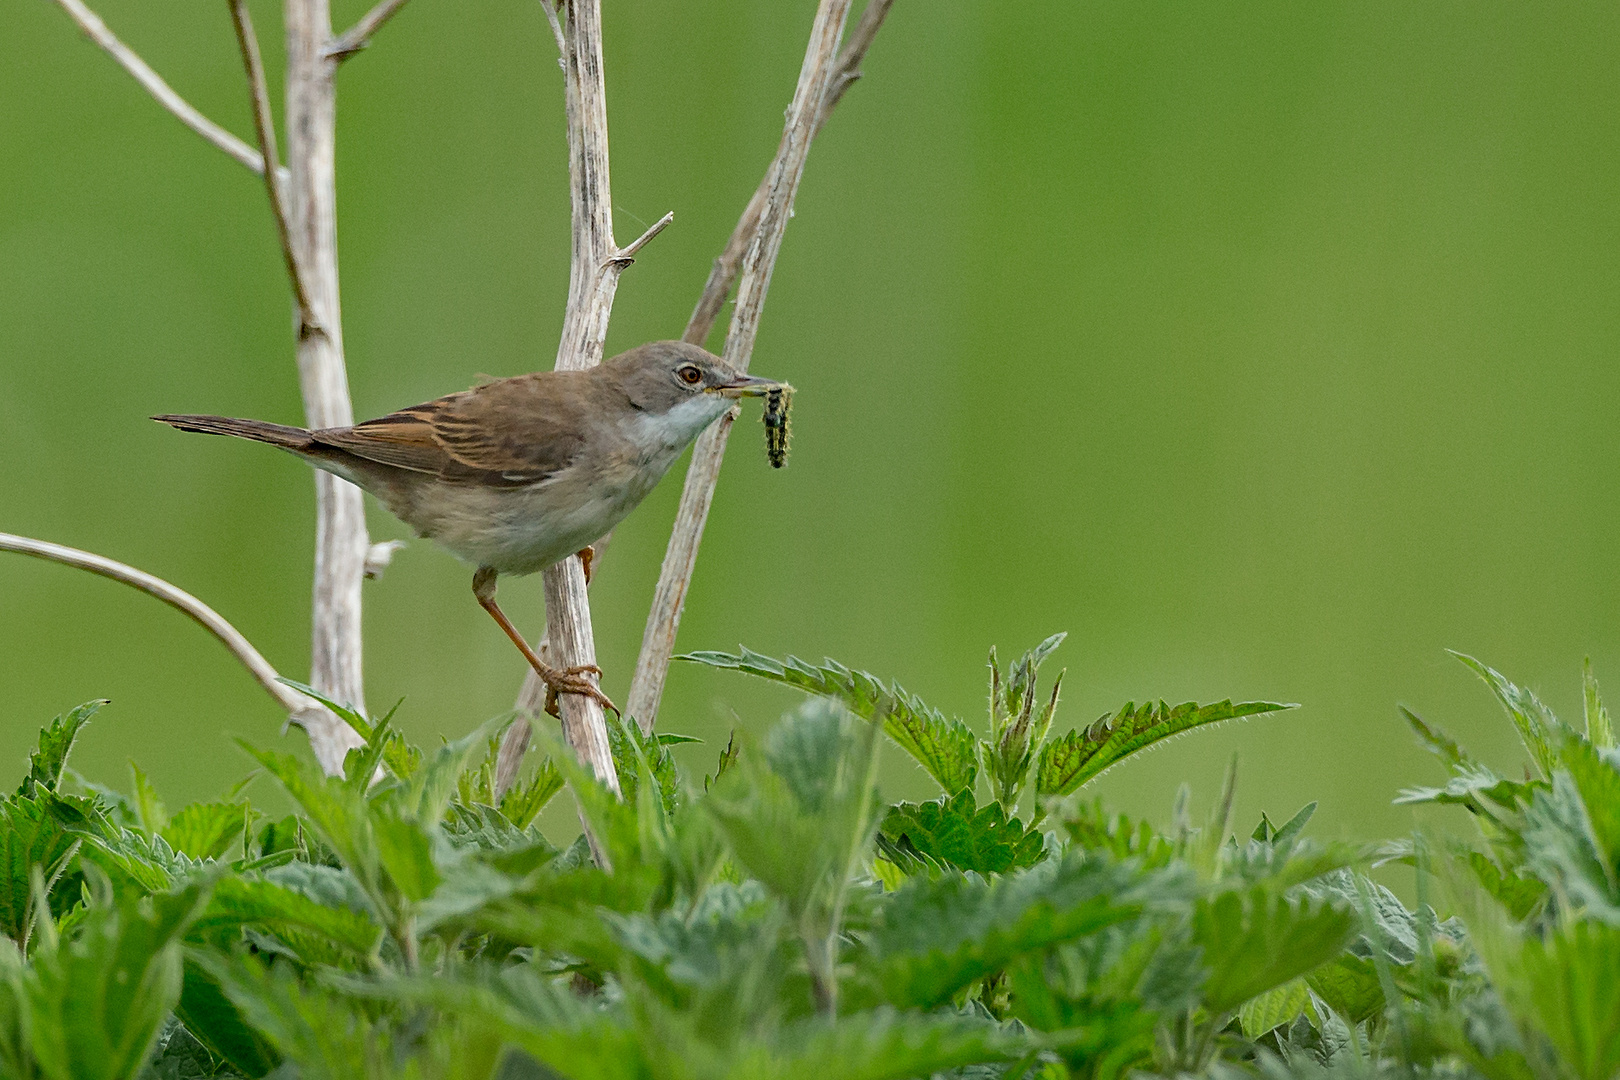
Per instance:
{"type": "Point", "coordinates": [956, 833]}
{"type": "Point", "coordinates": [55, 742]}
{"type": "Point", "coordinates": [219, 1025]}
{"type": "Point", "coordinates": [1518, 893]}
{"type": "Point", "coordinates": [1538, 728]}
{"type": "Point", "coordinates": [150, 813]}
{"type": "Point", "coordinates": [406, 852]}
{"type": "Point", "coordinates": [524, 800]}
{"type": "Point", "coordinates": [1437, 741]}
{"type": "Point", "coordinates": [935, 937]}
{"type": "Point", "coordinates": [29, 837]}
{"type": "Point", "coordinates": [96, 1003]}
{"type": "Point", "coordinates": [256, 900]}
{"type": "Point", "coordinates": [1081, 755]}
{"type": "Point", "coordinates": [1255, 940]}
{"type": "Point", "coordinates": [877, 1045]}
{"type": "Point", "coordinates": [1599, 728]}
{"type": "Point", "coordinates": [1350, 986]}
{"type": "Point", "coordinates": [1477, 788]}
{"type": "Point", "coordinates": [942, 745]}
{"type": "Point", "coordinates": [207, 830]}
{"type": "Point", "coordinates": [1274, 1008]}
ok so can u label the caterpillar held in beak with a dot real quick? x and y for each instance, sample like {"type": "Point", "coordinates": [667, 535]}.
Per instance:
{"type": "Point", "coordinates": [778, 402]}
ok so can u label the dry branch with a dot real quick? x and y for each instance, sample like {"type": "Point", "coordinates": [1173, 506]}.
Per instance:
{"type": "Point", "coordinates": [751, 250]}
{"type": "Point", "coordinates": [593, 280]}
{"type": "Point", "coordinates": [175, 597]}
{"type": "Point", "coordinates": [341, 544]}
{"type": "Point", "coordinates": [265, 126]}
{"type": "Point", "coordinates": [358, 36]}
{"type": "Point", "coordinates": [96, 30]}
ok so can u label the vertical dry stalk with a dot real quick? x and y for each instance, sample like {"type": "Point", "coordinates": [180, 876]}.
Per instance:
{"type": "Point", "coordinates": [340, 528]}
{"type": "Point", "coordinates": [597, 261]}
{"type": "Point", "coordinates": [826, 74]}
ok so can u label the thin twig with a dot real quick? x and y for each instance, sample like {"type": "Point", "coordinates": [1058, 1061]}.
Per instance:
{"type": "Point", "coordinates": [175, 597]}
{"type": "Point", "coordinates": [723, 274]}
{"type": "Point", "coordinates": [750, 250]}
{"type": "Point", "coordinates": [852, 54]}
{"type": "Point", "coordinates": [96, 30]}
{"type": "Point", "coordinates": [265, 125]}
{"type": "Point", "coordinates": [627, 255]}
{"type": "Point", "coordinates": [550, 9]}
{"type": "Point", "coordinates": [358, 36]}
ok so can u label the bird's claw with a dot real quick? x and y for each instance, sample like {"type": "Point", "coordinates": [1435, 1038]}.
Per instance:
{"type": "Point", "coordinates": [572, 680]}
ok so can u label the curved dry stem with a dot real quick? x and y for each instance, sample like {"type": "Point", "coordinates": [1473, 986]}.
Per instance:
{"type": "Point", "coordinates": [175, 597]}
{"type": "Point", "coordinates": [751, 253]}
{"type": "Point", "coordinates": [96, 30]}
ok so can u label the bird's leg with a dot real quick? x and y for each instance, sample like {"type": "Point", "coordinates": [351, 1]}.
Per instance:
{"type": "Point", "coordinates": [558, 680]}
{"type": "Point", "coordinates": [587, 556]}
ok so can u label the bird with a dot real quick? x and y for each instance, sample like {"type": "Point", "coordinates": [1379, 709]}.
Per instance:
{"type": "Point", "coordinates": [516, 474]}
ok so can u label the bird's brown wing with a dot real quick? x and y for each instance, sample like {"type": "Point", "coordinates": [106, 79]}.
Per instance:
{"type": "Point", "coordinates": [506, 433]}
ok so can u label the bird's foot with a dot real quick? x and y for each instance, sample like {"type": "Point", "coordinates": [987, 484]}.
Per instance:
{"type": "Point", "coordinates": [573, 680]}
{"type": "Point", "coordinates": [587, 557]}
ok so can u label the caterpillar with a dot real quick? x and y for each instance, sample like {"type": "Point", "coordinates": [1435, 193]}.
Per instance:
{"type": "Point", "coordinates": [777, 404]}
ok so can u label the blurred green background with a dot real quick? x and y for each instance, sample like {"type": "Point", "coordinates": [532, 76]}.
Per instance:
{"type": "Point", "coordinates": [1269, 349]}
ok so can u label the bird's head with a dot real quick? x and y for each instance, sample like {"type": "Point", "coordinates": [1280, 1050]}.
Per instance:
{"type": "Point", "coordinates": [688, 384]}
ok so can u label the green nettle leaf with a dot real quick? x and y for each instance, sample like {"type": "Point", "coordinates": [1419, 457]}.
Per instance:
{"type": "Point", "coordinates": [1561, 989]}
{"type": "Point", "coordinates": [1539, 729]}
{"type": "Point", "coordinates": [934, 938]}
{"type": "Point", "coordinates": [1599, 728]}
{"type": "Point", "coordinates": [955, 833]}
{"type": "Point", "coordinates": [1518, 893]}
{"type": "Point", "coordinates": [55, 741]}
{"type": "Point", "coordinates": [877, 1045]}
{"type": "Point", "coordinates": [525, 799]}
{"type": "Point", "coordinates": [1080, 756]}
{"type": "Point", "coordinates": [256, 900]}
{"type": "Point", "coordinates": [1598, 782]}
{"type": "Point", "coordinates": [1437, 741]}
{"type": "Point", "coordinates": [1255, 940]}
{"type": "Point", "coordinates": [1274, 1008]}
{"type": "Point", "coordinates": [942, 745]}
{"type": "Point", "coordinates": [1478, 789]}
{"type": "Point", "coordinates": [1350, 986]}
{"type": "Point", "coordinates": [218, 1024]}
{"type": "Point", "coordinates": [150, 813]}
{"type": "Point", "coordinates": [207, 830]}
{"type": "Point", "coordinates": [97, 1002]}
{"type": "Point", "coordinates": [406, 852]}
{"type": "Point", "coordinates": [29, 836]}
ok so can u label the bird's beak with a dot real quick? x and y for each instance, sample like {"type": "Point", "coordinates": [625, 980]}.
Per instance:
{"type": "Point", "coordinates": [747, 386]}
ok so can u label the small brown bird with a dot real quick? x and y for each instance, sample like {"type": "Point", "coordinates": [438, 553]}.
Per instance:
{"type": "Point", "coordinates": [516, 475]}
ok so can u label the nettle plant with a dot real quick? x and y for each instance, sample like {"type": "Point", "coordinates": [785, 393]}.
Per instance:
{"type": "Point", "coordinates": [777, 918]}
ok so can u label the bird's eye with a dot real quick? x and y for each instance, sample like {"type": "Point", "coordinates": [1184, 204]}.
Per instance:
{"type": "Point", "coordinates": [690, 374]}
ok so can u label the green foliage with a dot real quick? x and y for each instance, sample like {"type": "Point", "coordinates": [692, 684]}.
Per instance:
{"type": "Point", "coordinates": [942, 745]}
{"type": "Point", "coordinates": [781, 920]}
{"type": "Point", "coordinates": [958, 834]}
{"type": "Point", "coordinates": [1082, 755]}
{"type": "Point", "coordinates": [1020, 721]}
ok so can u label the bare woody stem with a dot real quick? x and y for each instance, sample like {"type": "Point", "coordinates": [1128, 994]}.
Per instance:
{"type": "Point", "coordinates": [723, 274]}
{"type": "Point", "coordinates": [175, 597]}
{"type": "Point", "coordinates": [752, 251]}
{"type": "Point", "coordinates": [358, 36]}
{"type": "Point", "coordinates": [341, 544]}
{"type": "Point", "coordinates": [594, 269]}
{"type": "Point", "coordinates": [153, 83]}
{"type": "Point", "coordinates": [265, 125]}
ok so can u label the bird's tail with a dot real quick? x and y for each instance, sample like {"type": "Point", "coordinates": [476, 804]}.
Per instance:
{"type": "Point", "coordinates": [288, 438]}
